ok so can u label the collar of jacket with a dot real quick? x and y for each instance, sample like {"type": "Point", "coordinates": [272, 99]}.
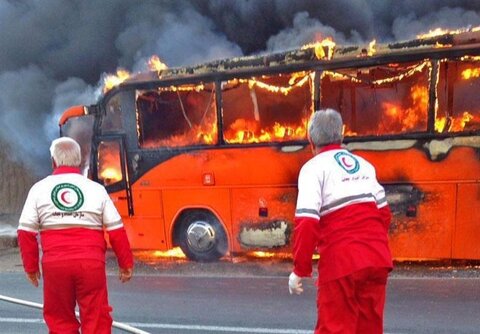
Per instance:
{"type": "Point", "coordinates": [66, 170]}
{"type": "Point", "coordinates": [330, 147]}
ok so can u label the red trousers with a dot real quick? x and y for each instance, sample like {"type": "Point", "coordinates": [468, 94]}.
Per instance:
{"type": "Point", "coordinates": [82, 282]}
{"type": "Point", "coordinates": [352, 304]}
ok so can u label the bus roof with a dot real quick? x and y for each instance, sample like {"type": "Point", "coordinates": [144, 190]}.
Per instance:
{"type": "Point", "coordinates": [324, 55]}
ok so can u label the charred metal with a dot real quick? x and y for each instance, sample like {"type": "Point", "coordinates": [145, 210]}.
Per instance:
{"type": "Point", "coordinates": [272, 234]}
{"type": "Point", "coordinates": [404, 201]}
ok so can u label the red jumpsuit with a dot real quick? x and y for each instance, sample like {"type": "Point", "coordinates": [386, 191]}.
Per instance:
{"type": "Point", "coordinates": [342, 211]}
{"type": "Point", "coordinates": [71, 213]}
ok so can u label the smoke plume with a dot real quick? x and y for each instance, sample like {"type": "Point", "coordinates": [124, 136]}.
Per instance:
{"type": "Point", "coordinates": [53, 53]}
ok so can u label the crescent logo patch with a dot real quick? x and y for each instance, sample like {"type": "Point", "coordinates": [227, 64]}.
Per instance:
{"type": "Point", "coordinates": [67, 197]}
{"type": "Point", "coordinates": [348, 162]}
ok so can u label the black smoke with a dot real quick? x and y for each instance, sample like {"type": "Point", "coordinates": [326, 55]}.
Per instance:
{"type": "Point", "coordinates": [53, 53]}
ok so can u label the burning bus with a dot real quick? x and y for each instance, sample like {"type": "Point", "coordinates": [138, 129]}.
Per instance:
{"type": "Point", "coordinates": [207, 157]}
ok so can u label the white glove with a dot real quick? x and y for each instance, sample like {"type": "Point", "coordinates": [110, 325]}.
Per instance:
{"type": "Point", "coordinates": [295, 284]}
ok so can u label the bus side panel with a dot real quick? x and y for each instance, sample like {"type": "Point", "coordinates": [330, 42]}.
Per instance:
{"type": "Point", "coordinates": [414, 165]}
{"type": "Point", "coordinates": [467, 233]}
{"type": "Point", "coordinates": [235, 167]}
{"type": "Point", "coordinates": [205, 179]}
{"type": "Point", "coordinates": [421, 188]}
{"type": "Point", "coordinates": [146, 228]}
{"type": "Point", "coordinates": [145, 233]}
{"type": "Point", "coordinates": [214, 199]}
{"type": "Point", "coordinates": [425, 233]}
{"type": "Point", "coordinates": [264, 218]}
{"type": "Point", "coordinates": [119, 199]}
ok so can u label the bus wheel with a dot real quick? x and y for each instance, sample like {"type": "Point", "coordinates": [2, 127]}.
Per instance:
{"type": "Point", "coordinates": [201, 236]}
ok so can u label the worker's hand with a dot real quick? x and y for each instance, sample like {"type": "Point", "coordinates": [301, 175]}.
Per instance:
{"type": "Point", "coordinates": [125, 274]}
{"type": "Point", "coordinates": [33, 278]}
{"type": "Point", "coordinates": [295, 284]}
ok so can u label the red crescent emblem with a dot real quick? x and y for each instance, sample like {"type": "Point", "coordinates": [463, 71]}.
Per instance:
{"type": "Point", "coordinates": [345, 163]}
{"type": "Point", "coordinates": [63, 197]}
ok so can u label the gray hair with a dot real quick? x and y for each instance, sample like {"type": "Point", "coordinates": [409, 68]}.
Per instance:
{"type": "Point", "coordinates": [325, 127]}
{"type": "Point", "coordinates": [66, 152]}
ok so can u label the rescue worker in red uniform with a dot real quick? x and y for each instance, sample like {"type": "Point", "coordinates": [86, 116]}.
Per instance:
{"type": "Point", "coordinates": [342, 212]}
{"type": "Point", "coordinates": [71, 213]}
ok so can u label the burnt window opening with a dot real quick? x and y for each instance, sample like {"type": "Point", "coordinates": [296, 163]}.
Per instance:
{"type": "Point", "coordinates": [177, 116]}
{"type": "Point", "coordinates": [81, 129]}
{"type": "Point", "coordinates": [109, 168]}
{"type": "Point", "coordinates": [112, 121]}
{"type": "Point", "coordinates": [267, 109]}
{"type": "Point", "coordinates": [458, 96]}
{"type": "Point", "coordinates": [382, 100]}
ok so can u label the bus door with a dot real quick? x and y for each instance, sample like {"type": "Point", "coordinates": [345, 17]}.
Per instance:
{"type": "Point", "coordinates": [110, 169]}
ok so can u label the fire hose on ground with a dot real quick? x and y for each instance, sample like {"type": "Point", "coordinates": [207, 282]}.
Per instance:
{"type": "Point", "coordinates": [119, 325]}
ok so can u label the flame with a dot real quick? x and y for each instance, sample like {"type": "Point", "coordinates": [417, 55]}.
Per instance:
{"type": "Point", "coordinates": [112, 174]}
{"type": "Point", "coordinates": [111, 80]}
{"type": "Point", "coordinates": [109, 168]}
{"type": "Point", "coordinates": [298, 79]}
{"type": "Point", "coordinates": [184, 88]}
{"type": "Point", "coordinates": [441, 31]}
{"type": "Point", "coordinates": [324, 49]}
{"type": "Point", "coordinates": [467, 58]}
{"type": "Point", "coordinates": [171, 253]}
{"type": "Point", "coordinates": [243, 132]}
{"type": "Point", "coordinates": [348, 132]}
{"type": "Point", "coordinates": [471, 73]}
{"type": "Point", "coordinates": [440, 124]}
{"type": "Point", "coordinates": [371, 47]}
{"type": "Point", "coordinates": [155, 64]}
{"type": "Point", "coordinates": [434, 33]}
{"type": "Point", "coordinates": [202, 135]}
{"type": "Point", "coordinates": [153, 256]}
{"type": "Point", "coordinates": [294, 82]}
{"type": "Point", "coordinates": [402, 119]}
{"type": "Point", "coordinates": [274, 255]}
{"type": "Point", "coordinates": [261, 254]}
{"type": "Point", "coordinates": [410, 71]}
{"type": "Point", "coordinates": [451, 124]}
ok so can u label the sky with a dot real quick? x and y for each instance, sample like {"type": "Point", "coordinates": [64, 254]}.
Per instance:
{"type": "Point", "coordinates": [55, 53]}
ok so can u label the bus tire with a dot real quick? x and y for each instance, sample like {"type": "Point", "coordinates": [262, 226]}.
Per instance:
{"type": "Point", "coordinates": [201, 236]}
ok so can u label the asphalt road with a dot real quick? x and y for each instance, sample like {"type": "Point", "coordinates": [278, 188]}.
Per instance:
{"type": "Point", "coordinates": [242, 295]}
{"type": "Point", "coordinates": [221, 304]}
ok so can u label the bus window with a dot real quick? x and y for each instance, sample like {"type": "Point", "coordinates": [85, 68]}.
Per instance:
{"type": "Point", "coordinates": [109, 163]}
{"type": "Point", "coordinates": [458, 97]}
{"type": "Point", "coordinates": [176, 116]}
{"type": "Point", "coordinates": [113, 118]}
{"type": "Point", "coordinates": [81, 129]}
{"type": "Point", "coordinates": [268, 109]}
{"type": "Point", "coordinates": [382, 100]}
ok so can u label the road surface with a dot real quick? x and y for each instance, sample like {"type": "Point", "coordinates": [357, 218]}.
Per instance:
{"type": "Point", "coordinates": [257, 304]}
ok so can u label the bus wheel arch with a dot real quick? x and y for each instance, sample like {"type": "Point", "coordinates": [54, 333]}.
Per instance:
{"type": "Point", "coordinates": [200, 235]}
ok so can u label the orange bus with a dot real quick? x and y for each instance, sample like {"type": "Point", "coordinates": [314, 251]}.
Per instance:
{"type": "Point", "coordinates": [207, 157]}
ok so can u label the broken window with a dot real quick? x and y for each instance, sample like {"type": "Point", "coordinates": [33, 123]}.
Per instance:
{"type": "Point", "coordinates": [81, 129]}
{"type": "Point", "coordinates": [268, 109]}
{"type": "Point", "coordinates": [176, 116]}
{"type": "Point", "coordinates": [458, 96]}
{"type": "Point", "coordinates": [112, 121]}
{"type": "Point", "coordinates": [382, 100]}
{"type": "Point", "coordinates": [109, 164]}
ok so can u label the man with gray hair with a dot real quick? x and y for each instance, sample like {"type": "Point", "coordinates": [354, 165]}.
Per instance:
{"type": "Point", "coordinates": [71, 213]}
{"type": "Point", "coordinates": [343, 212]}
